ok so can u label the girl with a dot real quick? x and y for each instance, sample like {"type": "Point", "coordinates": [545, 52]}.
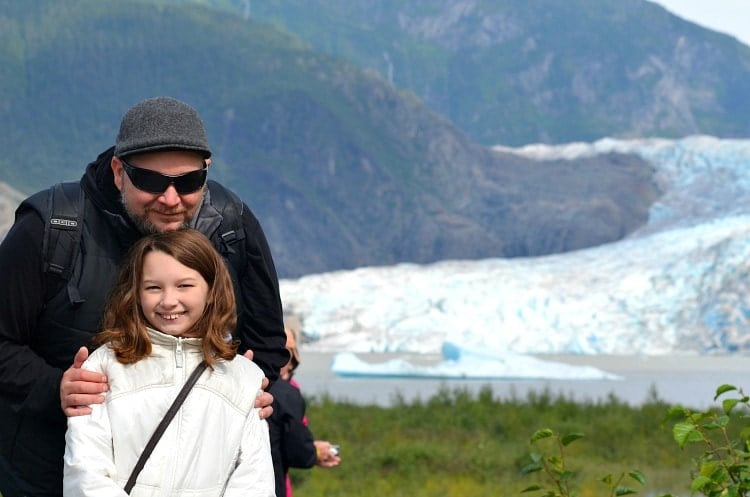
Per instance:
{"type": "Point", "coordinates": [172, 307]}
{"type": "Point", "coordinates": [292, 442]}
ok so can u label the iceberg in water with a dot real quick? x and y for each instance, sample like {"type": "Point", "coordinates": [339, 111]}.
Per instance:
{"type": "Point", "coordinates": [468, 363]}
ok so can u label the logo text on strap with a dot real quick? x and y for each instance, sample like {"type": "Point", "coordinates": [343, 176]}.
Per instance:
{"type": "Point", "coordinates": [64, 223]}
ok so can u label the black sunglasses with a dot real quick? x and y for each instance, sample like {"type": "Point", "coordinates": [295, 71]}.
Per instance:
{"type": "Point", "coordinates": [153, 182]}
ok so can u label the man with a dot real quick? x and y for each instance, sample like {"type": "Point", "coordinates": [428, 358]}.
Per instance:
{"type": "Point", "coordinates": [153, 179]}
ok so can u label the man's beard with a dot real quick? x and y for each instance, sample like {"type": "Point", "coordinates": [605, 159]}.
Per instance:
{"type": "Point", "coordinates": [142, 224]}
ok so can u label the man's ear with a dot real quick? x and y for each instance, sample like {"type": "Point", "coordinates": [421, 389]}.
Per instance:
{"type": "Point", "coordinates": [116, 165]}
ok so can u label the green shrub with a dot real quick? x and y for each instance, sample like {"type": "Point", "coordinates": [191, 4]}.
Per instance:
{"type": "Point", "coordinates": [723, 468]}
{"type": "Point", "coordinates": [457, 444]}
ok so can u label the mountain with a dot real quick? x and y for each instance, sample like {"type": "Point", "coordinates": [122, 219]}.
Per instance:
{"type": "Point", "coordinates": [681, 284]}
{"type": "Point", "coordinates": [9, 200]}
{"type": "Point", "coordinates": [512, 73]}
{"type": "Point", "coordinates": [343, 169]}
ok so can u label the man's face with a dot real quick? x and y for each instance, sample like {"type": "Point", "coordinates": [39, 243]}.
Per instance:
{"type": "Point", "coordinates": [164, 211]}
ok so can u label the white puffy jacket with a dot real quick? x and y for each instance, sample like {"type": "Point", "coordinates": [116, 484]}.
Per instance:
{"type": "Point", "coordinates": [215, 445]}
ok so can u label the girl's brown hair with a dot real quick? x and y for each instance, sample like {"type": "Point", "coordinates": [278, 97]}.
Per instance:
{"type": "Point", "coordinates": [124, 323]}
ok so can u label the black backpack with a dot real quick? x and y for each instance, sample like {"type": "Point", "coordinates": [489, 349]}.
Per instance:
{"type": "Point", "coordinates": [63, 223]}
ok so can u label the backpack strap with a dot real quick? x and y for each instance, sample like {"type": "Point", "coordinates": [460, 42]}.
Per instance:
{"type": "Point", "coordinates": [229, 236]}
{"type": "Point", "coordinates": [62, 234]}
{"type": "Point", "coordinates": [61, 208]}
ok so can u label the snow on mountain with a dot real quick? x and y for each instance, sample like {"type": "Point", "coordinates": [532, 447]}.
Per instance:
{"type": "Point", "coordinates": [679, 284]}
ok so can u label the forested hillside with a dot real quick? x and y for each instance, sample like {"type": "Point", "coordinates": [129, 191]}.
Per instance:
{"type": "Point", "coordinates": [512, 73]}
{"type": "Point", "coordinates": [342, 168]}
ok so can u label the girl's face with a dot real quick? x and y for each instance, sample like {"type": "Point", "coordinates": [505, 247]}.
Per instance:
{"type": "Point", "coordinates": [286, 371]}
{"type": "Point", "coordinates": [172, 295]}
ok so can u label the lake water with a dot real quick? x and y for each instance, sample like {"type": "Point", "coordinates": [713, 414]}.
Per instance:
{"type": "Point", "coordinates": [688, 380]}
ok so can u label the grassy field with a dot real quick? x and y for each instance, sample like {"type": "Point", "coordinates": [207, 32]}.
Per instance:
{"type": "Point", "coordinates": [456, 445]}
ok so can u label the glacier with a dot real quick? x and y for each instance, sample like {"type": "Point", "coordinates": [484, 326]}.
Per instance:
{"type": "Point", "coordinates": [678, 285]}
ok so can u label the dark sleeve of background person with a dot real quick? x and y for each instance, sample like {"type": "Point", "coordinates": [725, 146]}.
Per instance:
{"type": "Point", "coordinates": [261, 326]}
{"type": "Point", "coordinates": [292, 442]}
{"type": "Point", "coordinates": [27, 383]}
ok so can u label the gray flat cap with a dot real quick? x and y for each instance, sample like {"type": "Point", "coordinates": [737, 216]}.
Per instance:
{"type": "Point", "coordinates": [160, 124]}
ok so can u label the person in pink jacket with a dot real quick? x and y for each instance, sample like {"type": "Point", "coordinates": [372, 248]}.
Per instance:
{"type": "Point", "coordinates": [292, 442]}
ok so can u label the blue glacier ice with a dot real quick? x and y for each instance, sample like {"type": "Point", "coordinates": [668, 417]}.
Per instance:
{"type": "Point", "coordinates": [680, 284]}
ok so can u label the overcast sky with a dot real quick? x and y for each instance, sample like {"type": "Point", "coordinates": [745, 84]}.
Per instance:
{"type": "Point", "coordinates": [728, 16]}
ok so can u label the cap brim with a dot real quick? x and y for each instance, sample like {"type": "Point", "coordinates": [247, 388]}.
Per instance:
{"type": "Point", "coordinates": [205, 153]}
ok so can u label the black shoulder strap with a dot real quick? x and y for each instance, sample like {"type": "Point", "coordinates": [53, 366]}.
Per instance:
{"type": "Point", "coordinates": [63, 227]}
{"type": "Point", "coordinates": [62, 233]}
{"type": "Point", "coordinates": [230, 234]}
{"type": "Point", "coordinates": [163, 425]}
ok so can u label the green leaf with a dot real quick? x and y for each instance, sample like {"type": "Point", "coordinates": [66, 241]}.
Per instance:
{"type": "Point", "coordinates": [624, 491]}
{"type": "Point", "coordinates": [532, 488]}
{"type": "Point", "coordinates": [571, 437]}
{"type": "Point", "coordinates": [557, 471]}
{"type": "Point", "coordinates": [675, 412]}
{"type": "Point", "coordinates": [697, 417]}
{"type": "Point", "coordinates": [738, 469]}
{"type": "Point", "coordinates": [728, 404]}
{"type": "Point", "coordinates": [724, 389]}
{"type": "Point", "coordinates": [540, 434]}
{"type": "Point", "coordinates": [699, 482]}
{"type": "Point", "coordinates": [531, 468]}
{"type": "Point", "coordinates": [711, 469]}
{"type": "Point", "coordinates": [715, 472]}
{"type": "Point", "coordinates": [723, 420]}
{"type": "Point", "coordinates": [638, 476]}
{"type": "Point", "coordinates": [712, 425]}
{"type": "Point", "coordinates": [684, 433]}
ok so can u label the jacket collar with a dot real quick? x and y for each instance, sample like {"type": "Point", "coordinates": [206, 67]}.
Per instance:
{"type": "Point", "coordinates": [159, 338]}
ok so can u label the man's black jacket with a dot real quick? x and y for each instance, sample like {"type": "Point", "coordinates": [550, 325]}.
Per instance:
{"type": "Point", "coordinates": [39, 333]}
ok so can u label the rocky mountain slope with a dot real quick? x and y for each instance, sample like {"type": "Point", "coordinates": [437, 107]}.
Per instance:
{"type": "Point", "coordinates": [343, 169]}
{"type": "Point", "coordinates": [514, 73]}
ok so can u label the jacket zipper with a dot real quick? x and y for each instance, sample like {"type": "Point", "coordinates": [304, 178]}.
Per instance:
{"type": "Point", "coordinates": [178, 353]}
{"type": "Point", "coordinates": [178, 365]}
